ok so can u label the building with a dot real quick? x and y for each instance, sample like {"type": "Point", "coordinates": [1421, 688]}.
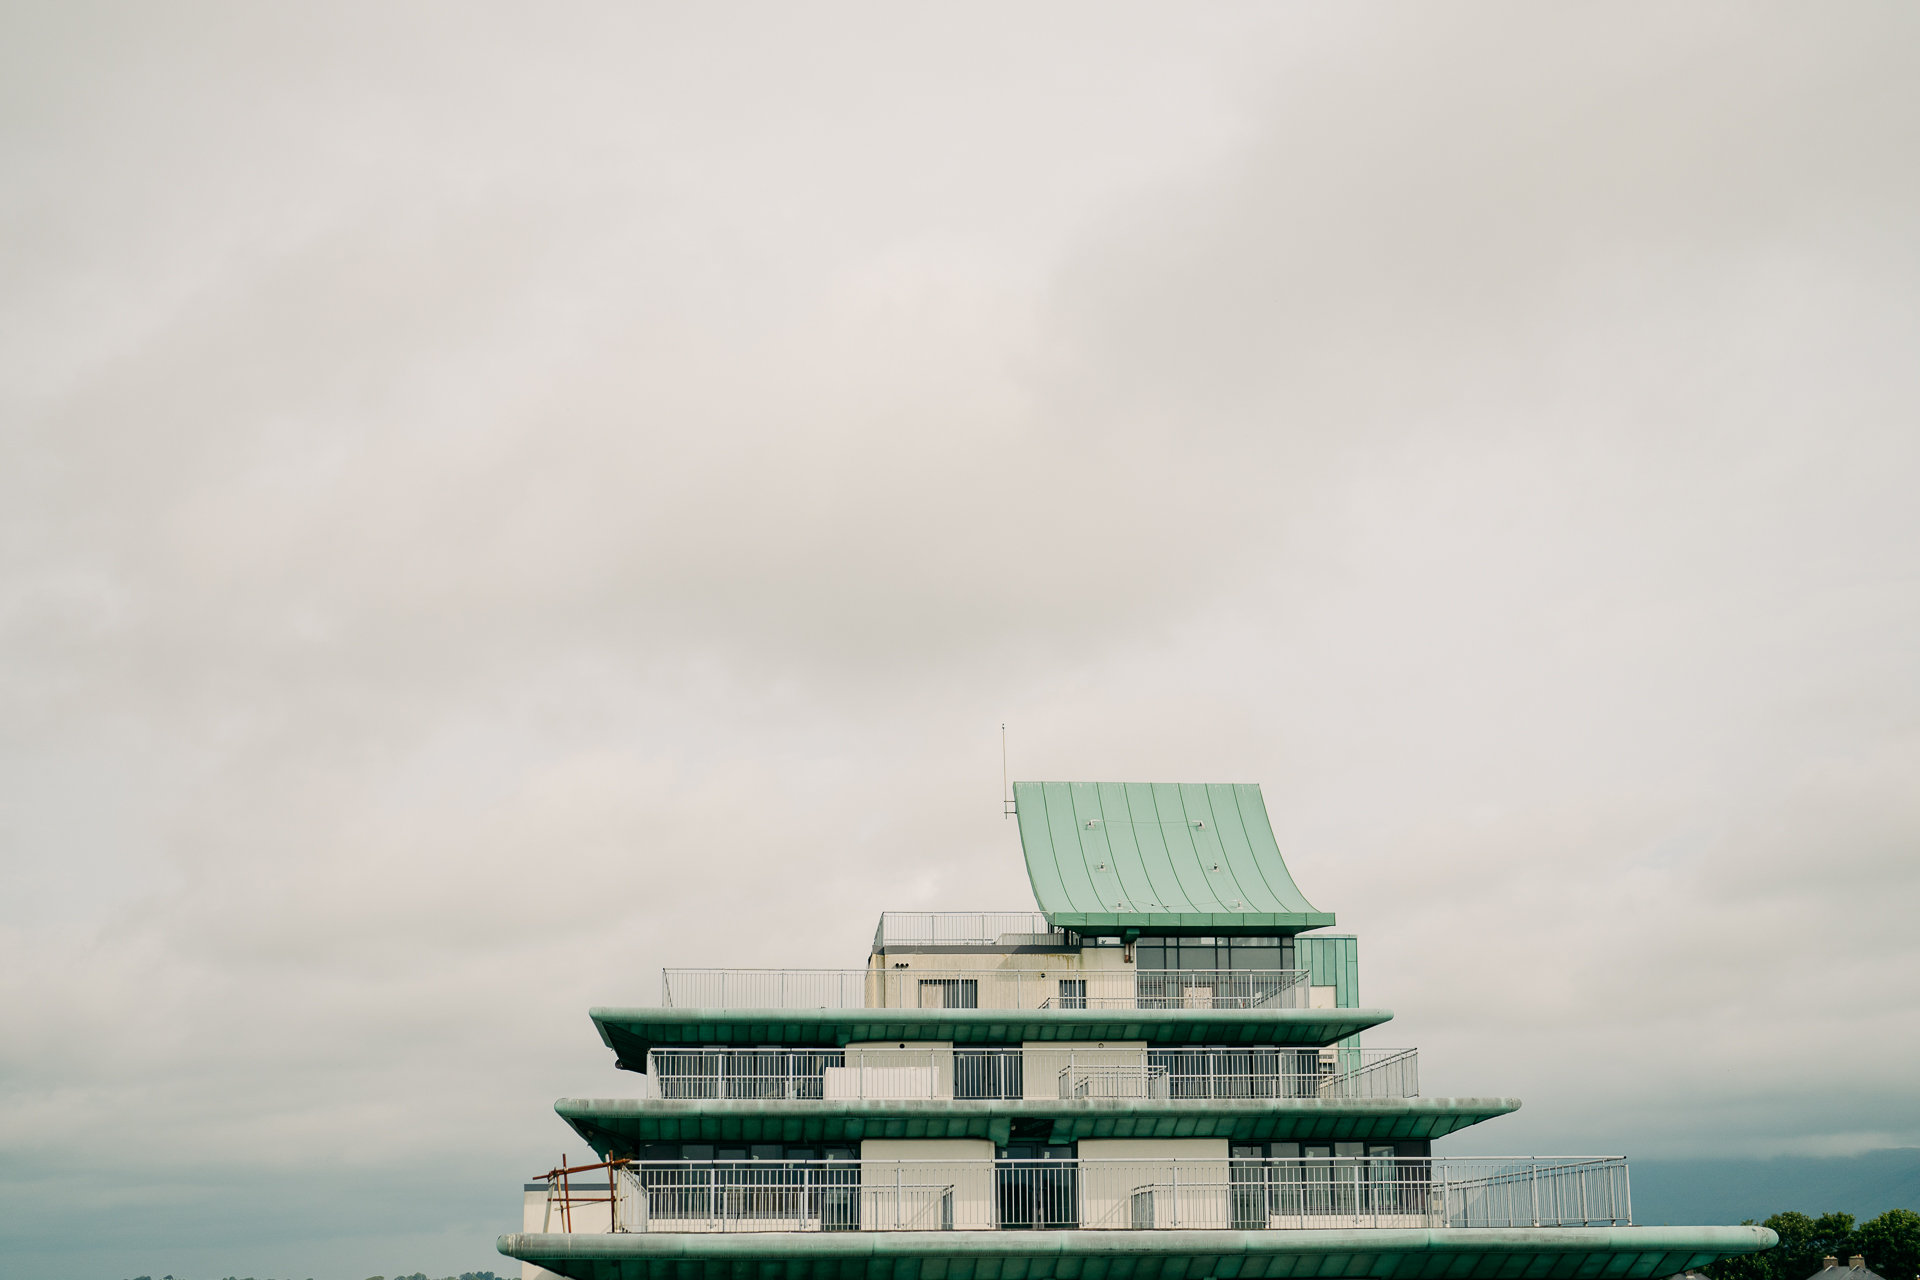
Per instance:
{"type": "Point", "coordinates": [1159, 1073]}
{"type": "Point", "coordinates": [1856, 1269]}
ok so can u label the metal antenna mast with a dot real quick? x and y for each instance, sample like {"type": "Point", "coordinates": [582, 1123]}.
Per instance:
{"type": "Point", "coordinates": [1006, 788]}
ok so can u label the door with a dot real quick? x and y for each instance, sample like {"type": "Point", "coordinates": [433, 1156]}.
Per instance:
{"type": "Point", "coordinates": [1037, 1187]}
{"type": "Point", "coordinates": [1316, 1181]}
{"type": "Point", "coordinates": [1249, 1178]}
{"type": "Point", "coordinates": [988, 1073]}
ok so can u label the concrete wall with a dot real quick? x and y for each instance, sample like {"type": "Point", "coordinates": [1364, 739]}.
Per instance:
{"type": "Point", "coordinates": [948, 1184]}
{"type": "Point", "coordinates": [1151, 1188]}
{"type": "Point", "coordinates": [893, 1069]}
{"type": "Point", "coordinates": [1112, 1064]}
{"type": "Point", "coordinates": [596, 1219]}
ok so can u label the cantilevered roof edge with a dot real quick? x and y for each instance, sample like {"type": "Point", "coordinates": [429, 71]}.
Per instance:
{"type": "Point", "coordinates": [1172, 857]}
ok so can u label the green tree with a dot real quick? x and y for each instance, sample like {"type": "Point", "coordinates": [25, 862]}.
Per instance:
{"type": "Point", "coordinates": [1891, 1243]}
{"type": "Point", "coordinates": [1746, 1266]}
{"type": "Point", "coordinates": [1805, 1243]}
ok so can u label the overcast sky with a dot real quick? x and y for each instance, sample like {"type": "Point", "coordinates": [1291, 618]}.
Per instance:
{"type": "Point", "coordinates": [495, 500]}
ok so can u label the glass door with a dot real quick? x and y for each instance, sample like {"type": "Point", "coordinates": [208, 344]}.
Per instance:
{"type": "Point", "coordinates": [1038, 1187]}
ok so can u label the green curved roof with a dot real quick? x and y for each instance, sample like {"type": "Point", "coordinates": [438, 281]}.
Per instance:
{"type": "Point", "coordinates": [1158, 857]}
{"type": "Point", "coordinates": [618, 1125]}
{"type": "Point", "coordinates": [1445, 1253]}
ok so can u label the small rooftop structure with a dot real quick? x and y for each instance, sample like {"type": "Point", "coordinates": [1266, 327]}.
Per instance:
{"type": "Point", "coordinates": [1158, 858]}
{"type": "Point", "coordinates": [1856, 1269]}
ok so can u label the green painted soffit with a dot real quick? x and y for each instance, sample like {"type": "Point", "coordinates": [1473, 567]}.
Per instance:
{"type": "Point", "coordinates": [617, 1125]}
{"type": "Point", "coordinates": [1158, 857]}
{"type": "Point", "coordinates": [1512, 1253]}
{"type": "Point", "coordinates": [630, 1033]}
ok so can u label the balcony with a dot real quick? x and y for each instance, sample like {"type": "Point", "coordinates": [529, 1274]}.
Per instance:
{"type": "Point", "coordinates": [1126, 1195]}
{"type": "Point", "coordinates": [984, 989]}
{"type": "Point", "coordinates": [1030, 1074]}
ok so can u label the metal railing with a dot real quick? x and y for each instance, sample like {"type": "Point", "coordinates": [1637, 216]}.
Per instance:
{"type": "Point", "coordinates": [1056, 988]}
{"type": "Point", "coordinates": [1248, 1073]}
{"type": "Point", "coordinates": [1170, 1194]}
{"type": "Point", "coordinates": [833, 1074]}
{"type": "Point", "coordinates": [1033, 1072]}
{"type": "Point", "coordinates": [962, 929]}
{"type": "Point", "coordinates": [1187, 989]}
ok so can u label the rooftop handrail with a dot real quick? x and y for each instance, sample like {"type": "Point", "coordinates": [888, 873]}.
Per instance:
{"type": "Point", "coordinates": [957, 928]}
{"type": "Point", "coordinates": [1173, 1193]}
{"type": "Point", "coordinates": [1035, 1072]}
{"type": "Point", "coordinates": [1057, 987]}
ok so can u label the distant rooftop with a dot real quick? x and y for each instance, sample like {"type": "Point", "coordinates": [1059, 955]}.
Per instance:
{"type": "Point", "coordinates": [1158, 858]}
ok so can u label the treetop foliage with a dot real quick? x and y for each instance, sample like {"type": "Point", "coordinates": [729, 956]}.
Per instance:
{"type": "Point", "coordinates": [1890, 1243]}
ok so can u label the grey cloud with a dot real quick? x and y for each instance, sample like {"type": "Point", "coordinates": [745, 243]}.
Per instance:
{"type": "Point", "coordinates": [494, 506]}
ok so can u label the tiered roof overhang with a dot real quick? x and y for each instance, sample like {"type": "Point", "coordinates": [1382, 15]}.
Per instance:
{"type": "Point", "coordinates": [619, 1125]}
{"type": "Point", "coordinates": [632, 1032]}
{"type": "Point", "coordinates": [1507, 1253]}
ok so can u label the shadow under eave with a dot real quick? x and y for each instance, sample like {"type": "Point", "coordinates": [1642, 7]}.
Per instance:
{"type": "Point", "coordinates": [619, 1126]}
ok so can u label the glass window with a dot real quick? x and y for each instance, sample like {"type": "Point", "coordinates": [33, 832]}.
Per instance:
{"type": "Point", "coordinates": [949, 993]}
{"type": "Point", "coordinates": [1198, 954]}
{"type": "Point", "coordinates": [1245, 956]}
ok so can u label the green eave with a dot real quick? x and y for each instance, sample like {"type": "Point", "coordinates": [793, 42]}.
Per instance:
{"type": "Point", "coordinates": [630, 1033]}
{"type": "Point", "coordinates": [1158, 858]}
{"type": "Point", "coordinates": [1188, 923]}
{"type": "Point", "coordinates": [1511, 1253]}
{"type": "Point", "coordinates": [618, 1125]}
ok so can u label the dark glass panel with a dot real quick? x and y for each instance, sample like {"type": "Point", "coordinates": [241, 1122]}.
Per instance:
{"type": "Point", "coordinates": [1195, 956]}
{"type": "Point", "coordinates": [1243, 957]}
